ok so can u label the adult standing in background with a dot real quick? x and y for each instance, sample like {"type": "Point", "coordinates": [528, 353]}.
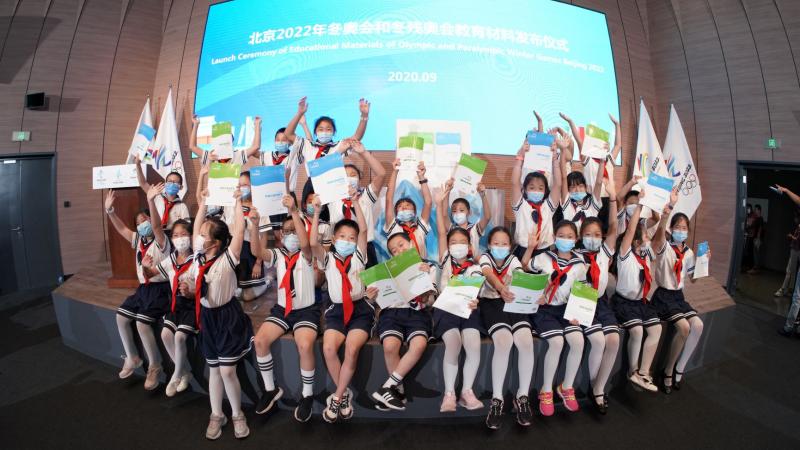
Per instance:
{"type": "Point", "coordinates": [794, 255]}
{"type": "Point", "coordinates": [790, 326]}
{"type": "Point", "coordinates": [755, 235]}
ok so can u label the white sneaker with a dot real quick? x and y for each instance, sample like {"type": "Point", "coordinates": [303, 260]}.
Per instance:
{"type": "Point", "coordinates": [172, 388]}
{"type": "Point", "coordinates": [183, 384]}
{"type": "Point", "coordinates": [240, 428]}
{"type": "Point", "coordinates": [214, 429]}
{"type": "Point", "coordinates": [778, 293]}
{"type": "Point", "coordinates": [129, 367]}
{"type": "Point", "coordinates": [151, 380]}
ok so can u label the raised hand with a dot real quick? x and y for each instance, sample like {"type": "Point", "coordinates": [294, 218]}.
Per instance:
{"type": "Point", "coordinates": [302, 106]}
{"type": "Point", "coordinates": [317, 203]}
{"type": "Point", "coordinates": [357, 146]}
{"type": "Point", "coordinates": [254, 217]}
{"type": "Point", "coordinates": [110, 196]}
{"type": "Point", "coordinates": [363, 106]}
{"type": "Point", "coordinates": [533, 239]}
{"type": "Point", "coordinates": [481, 188]}
{"type": "Point", "coordinates": [195, 120]}
{"type": "Point", "coordinates": [613, 119]}
{"type": "Point", "coordinates": [396, 165]}
{"type": "Point", "coordinates": [288, 202]}
{"type": "Point", "coordinates": [565, 117]}
{"type": "Point", "coordinates": [155, 191]}
{"type": "Point", "coordinates": [257, 122]}
{"type": "Point", "coordinates": [421, 170]}
{"type": "Point", "coordinates": [610, 187]}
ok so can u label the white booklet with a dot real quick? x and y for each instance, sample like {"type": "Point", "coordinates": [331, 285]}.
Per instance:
{"type": "Point", "coordinates": [528, 289]}
{"type": "Point", "coordinates": [701, 261]}
{"type": "Point", "coordinates": [581, 304]}
{"type": "Point", "coordinates": [268, 185]}
{"type": "Point", "coordinates": [329, 178]}
{"type": "Point", "coordinates": [460, 291]}
{"type": "Point", "coordinates": [656, 192]}
{"type": "Point", "coordinates": [223, 179]}
{"type": "Point", "coordinates": [398, 280]}
{"type": "Point", "coordinates": [538, 158]}
{"type": "Point", "coordinates": [114, 177]}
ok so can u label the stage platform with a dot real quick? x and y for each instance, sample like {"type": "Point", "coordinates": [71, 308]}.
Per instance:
{"type": "Point", "coordinates": [85, 308]}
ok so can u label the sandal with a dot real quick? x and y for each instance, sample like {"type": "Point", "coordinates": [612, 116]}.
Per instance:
{"type": "Point", "coordinates": [602, 407]}
{"type": "Point", "coordinates": [667, 387]}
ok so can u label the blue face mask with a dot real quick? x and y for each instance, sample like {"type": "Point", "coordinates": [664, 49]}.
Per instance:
{"type": "Point", "coordinates": [144, 229]}
{"type": "Point", "coordinates": [535, 196]}
{"type": "Point", "coordinates": [406, 215]}
{"type": "Point", "coordinates": [310, 210]}
{"type": "Point", "coordinates": [213, 211]}
{"type": "Point", "coordinates": [344, 248]}
{"type": "Point", "coordinates": [282, 147]}
{"type": "Point", "coordinates": [679, 236]}
{"type": "Point", "coordinates": [564, 245]}
{"type": "Point", "coordinates": [172, 188]}
{"type": "Point", "coordinates": [245, 190]}
{"type": "Point", "coordinates": [291, 242]}
{"type": "Point", "coordinates": [577, 196]}
{"type": "Point", "coordinates": [324, 137]}
{"type": "Point", "coordinates": [459, 218]}
{"type": "Point", "coordinates": [500, 253]}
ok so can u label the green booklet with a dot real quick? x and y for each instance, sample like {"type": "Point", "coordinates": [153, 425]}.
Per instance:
{"type": "Point", "coordinates": [468, 174]}
{"type": "Point", "coordinates": [528, 289]}
{"type": "Point", "coordinates": [595, 142]}
{"type": "Point", "coordinates": [399, 280]}
{"type": "Point", "coordinates": [222, 139]}
{"type": "Point", "coordinates": [223, 179]}
{"type": "Point", "coordinates": [460, 291]}
{"type": "Point", "coordinates": [581, 304]}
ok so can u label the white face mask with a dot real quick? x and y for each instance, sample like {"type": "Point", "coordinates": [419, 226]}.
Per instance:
{"type": "Point", "coordinates": [181, 244]}
{"type": "Point", "coordinates": [592, 243]}
{"type": "Point", "coordinates": [353, 181]}
{"type": "Point", "coordinates": [459, 251]}
{"type": "Point", "coordinates": [630, 209]}
{"type": "Point", "coordinates": [460, 218]}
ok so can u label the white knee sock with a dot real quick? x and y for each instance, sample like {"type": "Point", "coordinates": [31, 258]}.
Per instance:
{"type": "Point", "coordinates": [308, 382]}
{"type": "Point", "coordinates": [452, 349]}
{"type": "Point", "coordinates": [168, 339]}
{"type": "Point", "coordinates": [253, 293]}
{"type": "Point", "coordinates": [649, 348]}
{"type": "Point", "coordinates": [597, 344]}
{"type": "Point", "coordinates": [554, 346]}
{"type": "Point", "coordinates": [472, 347]}
{"type": "Point", "coordinates": [523, 340]}
{"type": "Point", "coordinates": [607, 363]}
{"type": "Point", "coordinates": [265, 367]}
{"type": "Point", "coordinates": [575, 342]}
{"type": "Point", "coordinates": [502, 341]}
{"type": "Point", "coordinates": [216, 391]}
{"type": "Point", "coordinates": [695, 332]}
{"type": "Point", "coordinates": [149, 344]}
{"type": "Point", "coordinates": [181, 361]}
{"type": "Point", "coordinates": [634, 347]}
{"type": "Point", "coordinates": [232, 388]}
{"type": "Point", "coordinates": [126, 334]}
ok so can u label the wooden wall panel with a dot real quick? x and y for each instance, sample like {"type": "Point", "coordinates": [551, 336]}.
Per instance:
{"type": "Point", "coordinates": [789, 11]}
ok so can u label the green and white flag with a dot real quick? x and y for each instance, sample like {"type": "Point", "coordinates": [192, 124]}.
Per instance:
{"type": "Point", "coordinates": [468, 174]}
{"type": "Point", "coordinates": [595, 142]}
{"type": "Point", "coordinates": [460, 291]}
{"type": "Point", "coordinates": [399, 280]}
{"type": "Point", "coordinates": [223, 180]}
{"type": "Point", "coordinates": [581, 304]}
{"type": "Point", "coordinates": [222, 140]}
{"type": "Point", "coordinates": [528, 289]}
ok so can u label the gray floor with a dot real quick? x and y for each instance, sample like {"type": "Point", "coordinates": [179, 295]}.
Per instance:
{"type": "Point", "coordinates": [53, 397]}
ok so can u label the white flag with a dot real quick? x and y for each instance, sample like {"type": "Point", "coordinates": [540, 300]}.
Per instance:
{"type": "Point", "coordinates": [648, 151]}
{"type": "Point", "coordinates": [681, 167]}
{"type": "Point", "coordinates": [166, 149]}
{"type": "Point", "coordinates": [142, 135]}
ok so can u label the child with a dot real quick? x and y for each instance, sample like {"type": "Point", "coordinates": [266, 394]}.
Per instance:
{"type": "Point", "coordinates": [533, 202]}
{"type": "Point", "coordinates": [460, 211]}
{"type": "Point", "coordinates": [564, 267]}
{"type": "Point", "coordinates": [455, 331]}
{"type": "Point", "coordinates": [343, 209]}
{"type": "Point", "coordinates": [592, 166]}
{"type": "Point", "coordinates": [181, 320]}
{"type": "Point", "coordinates": [631, 307]}
{"type": "Point", "coordinates": [630, 199]}
{"type": "Point", "coordinates": [150, 301]}
{"type": "Point", "coordinates": [603, 334]}
{"type": "Point", "coordinates": [294, 311]}
{"type": "Point", "coordinates": [170, 207]}
{"type": "Point", "coordinates": [350, 317]}
{"type": "Point", "coordinates": [226, 333]}
{"type": "Point", "coordinates": [408, 322]}
{"type": "Point", "coordinates": [401, 215]}
{"type": "Point", "coordinates": [239, 156]}
{"type": "Point", "coordinates": [505, 329]}
{"type": "Point", "coordinates": [674, 265]}
{"type": "Point", "coordinates": [577, 204]}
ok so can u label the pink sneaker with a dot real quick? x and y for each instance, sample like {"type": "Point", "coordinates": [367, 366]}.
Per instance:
{"type": "Point", "coordinates": [469, 401]}
{"type": "Point", "coordinates": [546, 406]}
{"type": "Point", "coordinates": [568, 397]}
{"type": "Point", "coordinates": [448, 402]}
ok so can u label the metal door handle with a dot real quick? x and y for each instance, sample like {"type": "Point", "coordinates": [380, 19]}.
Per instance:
{"type": "Point", "coordinates": [17, 229]}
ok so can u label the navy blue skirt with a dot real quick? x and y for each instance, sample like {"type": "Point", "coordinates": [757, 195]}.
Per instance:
{"type": "Point", "coordinates": [226, 334]}
{"type": "Point", "coordinates": [148, 303]}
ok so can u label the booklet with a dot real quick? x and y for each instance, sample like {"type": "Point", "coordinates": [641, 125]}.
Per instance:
{"type": "Point", "coordinates": [528, 289]}
{"type": "Point", "coordinates": [399, 280]}
{"type": "Point", "coordinates": [223, 179]}
{"type": "Point", "coordinates": [701, 261]}
{"type": "Point", "coordinates": [595, 142]}
{"type": "Point", "coordinates": [114, 177]}
{"type": "Point", "coordinates": [222, 140]}
{"type": "Point", "coordinates": [329, 178]}
{"type": "Point", "coordinates": [656, 192]}
{"type": "Point", "coordinates": [538, 158]}
{"type": "Point", "coordinates": [460, 291]}
{"type": "Point", "coordinates": [581, 304]}
{"type": "Point", "coordinates": [448, 149]}
{"type": "Point", "coordinates": [409, 152]}
{"type": "Point", "coordinates": [267, 187]}
{"type": "Point", "coordinates": [468, 174]}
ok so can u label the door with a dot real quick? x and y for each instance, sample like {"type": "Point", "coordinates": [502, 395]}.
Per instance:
{"type": "Point", "coordinates": [28, 229]}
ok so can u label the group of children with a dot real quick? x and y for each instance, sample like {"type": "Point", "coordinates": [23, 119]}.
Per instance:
{"type": "Point", "coordinates": [193, 273]}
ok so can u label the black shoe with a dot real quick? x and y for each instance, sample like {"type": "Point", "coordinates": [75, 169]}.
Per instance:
{"type": "Point", "coordinates": [495, 417]}
{"type": "Point", "coordinates": [782, 331]}
{"type": "Point", "coordinates": [388, 397]}
{"type": "Point", "coordinates": [601, 407]}
{"type": "Point", "coordinates": [677, 384]}
{"type": "Point", "coordinates": [667, 387]}
{"type": "Point", "coordinates": [400, 395]}
{"type": "Point", "coordinates": [268, 400]}
{"type": "Point", "coordinates": [303, 411]}
{"type": "Point", "coordinates": [523, 406]}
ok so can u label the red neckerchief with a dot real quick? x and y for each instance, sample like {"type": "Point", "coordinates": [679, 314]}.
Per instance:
{"type": "Point", "coordinates": [142, 252]}
{"type": "Point", "coordinates": [167, 207]}
{"type": "Point", "coordinates": [322, 150]}
{"type": "Point", "coordinates": [603, 163]}
{"type": "Point", "coordinates": [538, 209]}
{"type": "Point", "coordinates": [277, 160]}
{"type": "Point", "coordinates": [410, 229]}
{"type": "Point", "coordinates": [287, 283]}
{"type": "Point", "coordinates": [556, 281]}
{"type": "Point", "coordinates": [198, 286]}
{"type": "Point", "coordinates": [347, 300]}
{"type": "Point", "coordinates": [347, 208]}
{"type": "Point", "coordinates": [594, 269]}
{"type": "Point", "coordinates": [648, 280]}
{"type": "Point", "coordinates": [459, 269]}
{"type": "Point", "coordinates": [678, 267]}
{"type": "Point", "coordinates": [500, 275]}
{"type": "Point", "coordinates": [178, 269]}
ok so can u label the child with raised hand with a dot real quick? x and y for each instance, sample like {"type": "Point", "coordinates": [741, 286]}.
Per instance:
{"type": "Point", "coordinates": [534, 202]}
{"type": "Point", "coordinates": [294, 311]}
{"type": "Point", "coordinates": [343, 209]}
{"type": "Point", "coordinates": [407, 322]}
{"type": "Point", "coordinates": [401, 214]}
{"type": "Point", "coordinates": [180, 322]}
{"type": "Point", "coordinates": [603, 334]}
{"type": "Point", "coordinates": [457, 332]}
{"type": "Point", "coordinates": [460, 211]}
{"type": "Point", "coordinates": [150, 301]}
{"type": "Point", "coordinates": [226, 333]}
{"type": "Point", "coordinates": [239, 156]}
{"type": "Point", "coordinates": [578, 204]}
{"type": "Point", "coordinates": [506, 329]}
{"type": "Point", "coordinates": [628, 199]}
{"type": "Point", "coordinates": [673, 266]}
{"type": "Point", "coordinates": [350, 317]}
{"type": "Point", "coordinates": [564, 267]}
{"type": "Point", "coordinates": [592, 166]}
{"type": "Point", "coordinates": [169, 205]}
{"type": "Point", "coordinates": [631, 307]}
